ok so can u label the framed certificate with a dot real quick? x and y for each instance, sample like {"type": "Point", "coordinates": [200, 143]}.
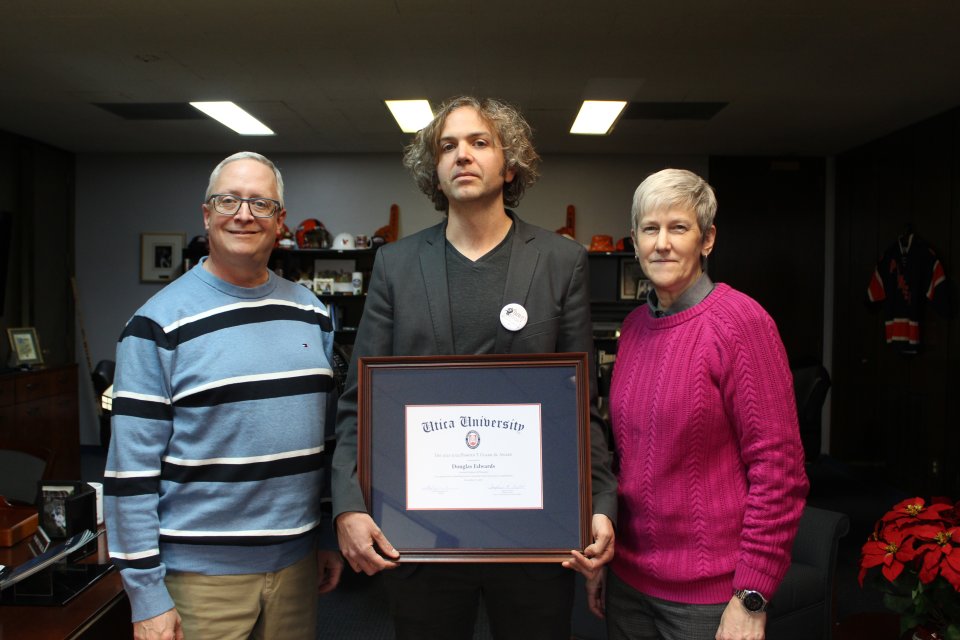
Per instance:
{"type": "Point", "coordinates": [477, 458]}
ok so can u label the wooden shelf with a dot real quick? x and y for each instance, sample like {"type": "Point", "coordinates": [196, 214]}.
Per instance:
{"type": "Point", "coordinates": [327, 254]}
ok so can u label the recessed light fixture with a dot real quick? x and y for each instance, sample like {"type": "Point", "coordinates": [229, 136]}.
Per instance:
{"type": "Point", "coordinates": [411, 115]}
{"type": "Point", "coordinates": [597, 117]}
{"type": "Point", "coordinates": [232, 116]}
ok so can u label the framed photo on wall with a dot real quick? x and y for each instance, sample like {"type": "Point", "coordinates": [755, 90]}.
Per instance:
{"type": "Point", "coordinates": [24, 346]}
{"type": "Point", "coordinates": [161, 256]}
{"type": "Point", "coordinates": [631, 280]}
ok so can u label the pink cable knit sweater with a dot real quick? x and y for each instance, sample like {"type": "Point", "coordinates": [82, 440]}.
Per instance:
{"type": "Point", "coordinates": [711, 483]}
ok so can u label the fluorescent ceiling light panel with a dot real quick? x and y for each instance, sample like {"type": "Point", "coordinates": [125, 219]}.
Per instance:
{"type": "Point", "coordinates": [411, 115]}
{"type": "Point", "coordinates": [596, 117]}
{"type": "Point", "coordinates": [232, 116]}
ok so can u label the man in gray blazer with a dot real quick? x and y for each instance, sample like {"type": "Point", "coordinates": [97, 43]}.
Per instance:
{"type": "Point", "coordinates": [441, 292]}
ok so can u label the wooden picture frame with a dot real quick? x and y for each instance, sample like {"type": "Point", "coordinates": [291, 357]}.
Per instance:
{"type": "Point", "coordinates": [161, 256]}
{"type": "Point", "coordinates": [470, 467]}
{"type": "Point", "coordinates": [24, 346]}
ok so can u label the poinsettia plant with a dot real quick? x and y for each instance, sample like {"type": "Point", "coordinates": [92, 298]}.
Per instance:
{"type": "Point", "coordinates": [917, 547]}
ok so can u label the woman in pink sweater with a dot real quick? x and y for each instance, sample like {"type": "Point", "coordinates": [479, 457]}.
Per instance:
{"type": "Point", "coordinates": [711, 480]}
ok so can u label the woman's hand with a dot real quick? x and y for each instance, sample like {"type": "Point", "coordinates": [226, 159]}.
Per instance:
{"type": "Point", "coordinates": [737, 623]}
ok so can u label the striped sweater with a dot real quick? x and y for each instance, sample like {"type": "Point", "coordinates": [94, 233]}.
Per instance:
{"type": "Point", "coordinates": [219, 401]}
{"type": "Point", "coordinates": [711, 481]}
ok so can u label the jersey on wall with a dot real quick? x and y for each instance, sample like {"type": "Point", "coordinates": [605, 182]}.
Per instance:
{"type": "Point", "coordinates": [908, 275]}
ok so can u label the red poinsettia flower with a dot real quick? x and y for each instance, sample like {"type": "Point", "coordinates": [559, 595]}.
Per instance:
{"type": "Point", "coordinates": [940, 545]}
{"type": "Point", "coordinates": [916, 544]}
{"type": "Point", "coordinates": [950, 568]}
{"type": "Point", "coordinates": [914, 510]}
{"type": "Point", "coordinates": [888, 547]}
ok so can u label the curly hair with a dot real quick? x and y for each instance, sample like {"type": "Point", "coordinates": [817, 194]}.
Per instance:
{"type": "Point", "coordinates": [514, 134]}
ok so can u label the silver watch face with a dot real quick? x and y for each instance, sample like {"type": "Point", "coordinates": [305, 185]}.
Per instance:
{"type": "Point", "coordinates": [753, 601]}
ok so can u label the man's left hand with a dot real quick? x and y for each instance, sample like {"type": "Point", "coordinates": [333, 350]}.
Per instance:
{"type": "Point", "coordinates": [329, 568]}
{"type": "Point", "coordinates": [737, 623]}
{"type": "Point", "coordinates": [597, 554]}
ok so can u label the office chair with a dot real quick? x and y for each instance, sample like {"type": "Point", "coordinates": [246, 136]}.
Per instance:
{"type": "Point", "coordinates": [102, 376]}
{"type": "Point", "coordinates": [802, 608]}
{"type": "Point", "coordinates": [21, 468]}
{"type": "Point", "coordinates": [810, 384]}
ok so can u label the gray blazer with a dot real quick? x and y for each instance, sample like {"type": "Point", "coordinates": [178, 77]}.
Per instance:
{"type": "Point", "coordinates": [407, 312]}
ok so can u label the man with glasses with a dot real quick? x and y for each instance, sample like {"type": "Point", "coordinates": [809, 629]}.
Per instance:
{"type": "Point", "coordinates": [212, 486]}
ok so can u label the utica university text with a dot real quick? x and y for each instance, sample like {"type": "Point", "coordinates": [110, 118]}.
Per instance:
{"type": "Point", "coordinates": [467, 421]}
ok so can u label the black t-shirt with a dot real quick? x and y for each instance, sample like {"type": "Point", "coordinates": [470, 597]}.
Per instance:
{"type": "Point", "coordinates": [476, 295]}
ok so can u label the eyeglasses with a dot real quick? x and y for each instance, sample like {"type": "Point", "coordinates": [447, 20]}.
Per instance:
{"type": "Point", "coordinates": [229, 205]}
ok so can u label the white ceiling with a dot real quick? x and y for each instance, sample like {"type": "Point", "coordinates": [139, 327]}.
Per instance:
{"type": "Point", "coordinates": [800, 76]}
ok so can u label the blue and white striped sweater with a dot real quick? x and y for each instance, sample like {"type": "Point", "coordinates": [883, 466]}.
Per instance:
{"type": "Point", "coordinates": [220, 396]}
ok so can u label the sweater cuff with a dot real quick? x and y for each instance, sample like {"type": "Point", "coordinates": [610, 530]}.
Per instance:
{"type": "Point", "coordinates": [149, 601]}
{"type": "Point", "coordinates": [749, 578]}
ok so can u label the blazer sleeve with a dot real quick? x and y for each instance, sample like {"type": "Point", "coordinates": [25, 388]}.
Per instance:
{"type": "Point", "coordinates": [374, 337]}
{"type": "Point", "coordinates": [576, 335]}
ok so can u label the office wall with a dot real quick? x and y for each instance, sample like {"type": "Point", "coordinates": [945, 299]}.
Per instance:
{"type": "Point", "coordinates": [893, 412]}
{"type": "Point", "coordinates": [36, 190]}
{"type": "Point", "coordinates": [118, 197]}
{"type": "Point", "coordinates": [770, 242]}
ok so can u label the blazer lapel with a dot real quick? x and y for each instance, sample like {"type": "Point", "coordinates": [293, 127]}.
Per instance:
{"type": "Point", "coordinates": [523, 262]}
{"type": "Point", "coordinates": [433, 268]}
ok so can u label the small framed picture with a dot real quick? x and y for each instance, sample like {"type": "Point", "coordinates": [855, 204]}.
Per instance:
{"type": "Point", "coordinates": [24, 346]}
{"type": "Point", "coordinates": [630, 277]}
{"type": "Point", "coordinates": [644, 287]}
{"type": "Point", "coordinates": [323, 286]}
{"type": "Point", "coordinates": [161, 256]}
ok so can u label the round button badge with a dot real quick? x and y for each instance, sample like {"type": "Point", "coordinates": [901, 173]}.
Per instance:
{"type": "Point", "coordinates": [513, 317]}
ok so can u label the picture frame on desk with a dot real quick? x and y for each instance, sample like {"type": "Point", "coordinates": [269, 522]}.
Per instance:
{"type": "Point", "coordinates": [24, 346]}
{"type": "Point", "coordinates": [161, 256]}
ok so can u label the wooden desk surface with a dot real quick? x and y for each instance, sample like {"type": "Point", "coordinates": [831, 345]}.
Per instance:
{"type": "Point", "coordinates": [100, 611]}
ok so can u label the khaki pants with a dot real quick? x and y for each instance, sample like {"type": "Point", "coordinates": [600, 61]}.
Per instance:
{"type": "Point", "coordinates": [263, 606]}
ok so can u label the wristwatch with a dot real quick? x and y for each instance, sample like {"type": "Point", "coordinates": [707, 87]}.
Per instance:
{"type": "Point", "coordinates": [753, 601]}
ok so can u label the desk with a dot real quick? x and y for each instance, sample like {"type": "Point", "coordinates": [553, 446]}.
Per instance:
{"type": "Point", "coordinates": [101, 611]}
{"type": "Point", "coordinates": [39, 408]}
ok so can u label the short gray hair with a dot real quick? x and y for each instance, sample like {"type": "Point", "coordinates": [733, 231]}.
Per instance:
{"type": "Point", "coordinates": [675, 189]}
{"type": "Point", "coordinates": [246, 155]}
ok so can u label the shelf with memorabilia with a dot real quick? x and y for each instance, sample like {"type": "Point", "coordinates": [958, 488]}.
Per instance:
{"type": "Point", "coordinates": [617, 285]}
{"type": "Point", "coordinates": [330, 273]}
{"type": "Point", "coordinates": [339, 277]}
